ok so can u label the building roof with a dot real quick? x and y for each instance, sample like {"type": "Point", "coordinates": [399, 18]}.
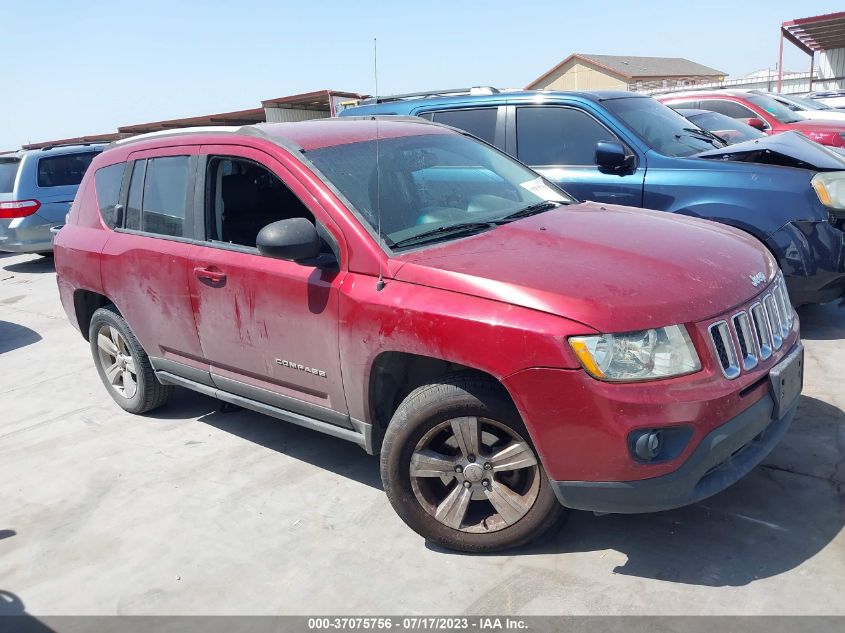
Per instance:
{"type": "Point", "coordinates": [77, 140]}
{"type": "Point", "coordinates": [816, 33]}
{"type": "Point", "coordinates": [631, 67]}
{"type": "Point", "coordinates": [317, 100]}
{"type": "Point", "coordinates": [239, 117]}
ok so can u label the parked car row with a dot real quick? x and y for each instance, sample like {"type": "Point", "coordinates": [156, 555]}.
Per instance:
{"type": "Point", "coordinates": [624, 148]}
{"type": "Point", "coordinates": [760, 111]}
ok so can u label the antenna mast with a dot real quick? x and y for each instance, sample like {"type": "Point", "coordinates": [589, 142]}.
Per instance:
{"type": "Point", "coordinates": [380, 282]}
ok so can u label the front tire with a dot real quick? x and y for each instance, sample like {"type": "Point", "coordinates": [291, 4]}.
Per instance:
{"type": "Point", "coordinates": [459, 468]}
{"type": "Point", "coordinates": [123, 364]}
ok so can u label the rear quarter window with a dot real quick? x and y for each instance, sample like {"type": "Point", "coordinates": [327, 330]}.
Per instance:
{"type": "Point", "coordinates": [108, 181]}
{"type": "Point", "coordinates": [63, 170]}
{"type": "Point", "coordinates": [8, 171]}
{"type": "Point", "coordinates": [480, 122]}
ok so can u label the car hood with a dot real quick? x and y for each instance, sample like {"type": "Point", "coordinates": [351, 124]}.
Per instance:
{"type": "Point", "coordinates": [822, 115]}
{"type": "Point", "coordinates": [790, 149]}
{"type": "Point", "coordinates": [609, 267]}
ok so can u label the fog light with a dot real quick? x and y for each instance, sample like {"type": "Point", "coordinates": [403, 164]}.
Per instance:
{"type": "Point", "coordinates": [659, 445]}
{"type": "Point", "coordinates": [648, 444]}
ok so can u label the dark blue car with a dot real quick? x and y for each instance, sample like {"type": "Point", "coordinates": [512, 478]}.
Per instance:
{"type": "Point", "coordinates": [622, 148]}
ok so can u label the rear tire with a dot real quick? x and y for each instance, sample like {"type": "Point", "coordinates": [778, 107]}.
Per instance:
{"type": "Point", "coordinates": [123, 365]}
{"type": "Point", "coordinates": [460, 469]}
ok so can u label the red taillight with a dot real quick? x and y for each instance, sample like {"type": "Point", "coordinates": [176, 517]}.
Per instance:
{"type": "Point", "coordinates": [18, 208]}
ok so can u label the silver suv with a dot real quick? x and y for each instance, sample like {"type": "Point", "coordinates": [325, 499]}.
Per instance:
{"type": "Point", "coordinates": [36, 189]}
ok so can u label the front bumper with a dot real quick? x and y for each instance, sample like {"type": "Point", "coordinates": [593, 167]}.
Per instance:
{"type": "Point", "coordinates": [724, 456]}
{"type": "Point", "coordinates": [812, 257]}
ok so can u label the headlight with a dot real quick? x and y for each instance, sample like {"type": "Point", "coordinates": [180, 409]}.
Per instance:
{"type": "Point", "coordinates": [830, 188]}
{"type": "Point", "coordinates": [644, 355]}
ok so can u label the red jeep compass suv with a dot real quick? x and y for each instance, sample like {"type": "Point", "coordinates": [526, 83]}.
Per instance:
{"type": "Point", "coordinates": [507, 350]}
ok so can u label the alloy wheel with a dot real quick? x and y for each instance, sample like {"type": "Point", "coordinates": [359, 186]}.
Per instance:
{"type": "Point", "coordinates": [474, 474]}
{"type": "Point", "coordinates": [117, 361]}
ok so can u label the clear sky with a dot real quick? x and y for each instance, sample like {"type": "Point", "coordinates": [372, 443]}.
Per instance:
{"type": "Point", "coordinates": [84, 67]}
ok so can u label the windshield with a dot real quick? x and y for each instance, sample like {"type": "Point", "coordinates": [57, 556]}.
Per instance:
{"type": "Point", "coordinates": [661, 127]}
{"type": "Point", "coordinates": [779, 111]}
{"type": "Point", "coordinates": [807, 103]}
{"type": "Point", "coordinates": [725, 127]}
{"type": "Point", "coordinates": [441, 185]}
{"type": "Point", "coordinates": [8, 171]}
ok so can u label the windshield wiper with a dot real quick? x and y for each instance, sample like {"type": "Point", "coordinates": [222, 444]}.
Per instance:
{"type": "Point", "coordinates": [703, 135]}
{"type": "Point", "coordinates": [444, 232]}
{"type": "Point", "coordinates": [531, 209]}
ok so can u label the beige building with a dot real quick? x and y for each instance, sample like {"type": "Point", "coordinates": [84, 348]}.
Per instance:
{"type": "Point", "coordinates": [602, 72]}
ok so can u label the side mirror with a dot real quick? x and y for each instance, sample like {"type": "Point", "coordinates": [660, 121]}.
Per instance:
{"type": "Point", "coordinates": [611, 156]}
{"type": "Point", "coordinates": [295, 239]}
{"type": "Point", "coordinates": [759, 124]}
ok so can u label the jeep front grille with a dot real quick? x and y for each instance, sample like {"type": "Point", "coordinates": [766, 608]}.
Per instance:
{"type": "Point", "coordinates": [752, 336]}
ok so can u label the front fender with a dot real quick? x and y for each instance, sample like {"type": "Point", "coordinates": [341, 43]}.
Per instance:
{"type": "Point", "coordinates": [490, 336]}
{"type": "Point", "coordinates": [812, 257]}
{"type": "Point", "coordinates": [758, 199]}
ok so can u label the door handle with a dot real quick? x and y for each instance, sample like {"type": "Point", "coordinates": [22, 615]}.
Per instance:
{"type": "Point", "coordinates": [210, 274]}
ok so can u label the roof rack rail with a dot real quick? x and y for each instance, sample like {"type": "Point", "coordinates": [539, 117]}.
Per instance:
{"type": "Point", "coordinates": [474, 90]}
{"type": "Point", "coordinates": [668, 91]}
{"type": "Point", "coordinates": [71, 144]}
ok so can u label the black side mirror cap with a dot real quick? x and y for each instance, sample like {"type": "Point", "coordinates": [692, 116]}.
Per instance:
{"type": "Point", "coordinates": [611, 156]}
{"type": "Point", "coordinates": [295, 239]}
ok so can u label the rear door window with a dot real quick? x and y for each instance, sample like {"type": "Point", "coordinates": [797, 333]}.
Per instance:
{"type": "Point", "coordinates": [107, 181]}
{"type": "Point", "coordinates": [558, 136]}
{"type": "Point", "coordinates": [728, 108]}
{"type": "Point", "coordinates": [63, 170]}
{"type": "Point", "coordinates": [8, 172]}
{"type": "Point", "coordinates": [480, 122]}
{"type": "Point", "coordinates": [165, 196]}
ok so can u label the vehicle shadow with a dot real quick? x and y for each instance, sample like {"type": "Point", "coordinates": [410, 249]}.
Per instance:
{"type": "Point", "coordinates": [779, 516]}
{"type": "Point", "coordinates": [823, 322]}
{"type": "Point", "coordinates": [15, 619]}
{"type": "Point", "coordinates": [13, 336]}
{"type": "Point", "coordinates": [318, 449]}
{"type": "Point", "coordinates": [6, 534]}
{"type": "Point", "coordinates": [37, 264]}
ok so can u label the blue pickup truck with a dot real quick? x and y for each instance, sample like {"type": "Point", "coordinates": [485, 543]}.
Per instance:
{"type": "Point", "coordinates": [622, 148]}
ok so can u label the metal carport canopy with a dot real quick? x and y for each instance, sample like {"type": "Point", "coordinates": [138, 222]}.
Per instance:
{"type": "Point", "coordinates": [816, 33]}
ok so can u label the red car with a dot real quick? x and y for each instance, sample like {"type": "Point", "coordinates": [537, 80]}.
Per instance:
{"type": "Point", "coordinates": [505, 349]}
{"type": "Point", "coordinates": [759, 111]}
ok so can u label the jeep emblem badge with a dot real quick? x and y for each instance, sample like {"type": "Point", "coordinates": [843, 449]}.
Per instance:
{"type": "Point", "coordinates": [757, 279]}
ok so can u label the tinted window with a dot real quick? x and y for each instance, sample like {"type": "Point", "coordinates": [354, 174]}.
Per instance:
{"type": "Point", "coordinates": [107, 181]}
{"type": "Point", "coordinates": [480, 122]}
{"type": "Point", "coordinates": [64, 170]}
{"type": "Point", "coordinates": [558, 136]}
{"type": "Point", "coordinates": [8, 171]}
{"type": "Point", "coordinates": [165, 195]}
{"type": "Point", "coordinates": [136, 190]}
{"type": "Point", "coordinates": [728, 108]}
{"type": "Point", "coordinates": [244, 197]}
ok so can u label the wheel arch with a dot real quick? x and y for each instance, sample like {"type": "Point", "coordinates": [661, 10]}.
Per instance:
{"type": "Point", "coordinates": [393, 375]}
{"type": "Point", "coordinates": [85, 304]}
